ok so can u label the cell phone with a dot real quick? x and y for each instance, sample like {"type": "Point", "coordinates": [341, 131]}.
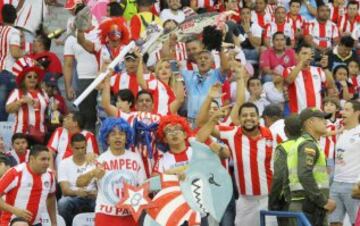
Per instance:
{"type": "Point", "coordinates": [174, 66]}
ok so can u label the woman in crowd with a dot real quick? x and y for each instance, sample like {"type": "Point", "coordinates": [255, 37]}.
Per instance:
{"type": "Point", "coordinates": [28, 102]}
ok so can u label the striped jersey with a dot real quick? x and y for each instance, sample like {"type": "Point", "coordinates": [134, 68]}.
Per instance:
{"type": "Point", "coordinates": [9, 36]}
{"type": "Point", "coordinates": [26, 190]}
{"type": "Point", "coordinates": [253, 159]}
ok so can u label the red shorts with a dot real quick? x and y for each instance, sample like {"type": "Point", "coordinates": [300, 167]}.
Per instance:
{"type": "Point", "coordinates": [107, 220]}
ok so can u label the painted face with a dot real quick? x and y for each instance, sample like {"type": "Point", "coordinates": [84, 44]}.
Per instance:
{"type": "Point", "coordinates": [115, 33]}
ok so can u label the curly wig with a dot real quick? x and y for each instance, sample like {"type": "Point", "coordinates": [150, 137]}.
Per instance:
{"type": "Point", "coordinates": [107, 24]}
{"type": "Point", "coordinates": [109, 124]}
{"type": "Point", "coordinates": [172, 120]}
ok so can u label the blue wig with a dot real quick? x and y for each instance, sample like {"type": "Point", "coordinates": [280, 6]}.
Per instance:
{"type": "Point", "coordinates": [109, 124]}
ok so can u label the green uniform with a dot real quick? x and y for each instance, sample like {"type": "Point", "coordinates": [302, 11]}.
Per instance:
{"type": "Point", "coordinates": [279, 197]}
{"type": "Point", "coordinates": [308, 179]}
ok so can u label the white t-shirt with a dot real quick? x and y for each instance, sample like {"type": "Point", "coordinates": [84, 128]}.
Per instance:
{"type": "Point", "coordinates": [278, 131]}
{"type": "Point", "coordinates": [86, 63]}
{"type": "Point", "coordinates": [69, 171]}
{"type": "Point", "coordinates": [347, 156]}
{"type": "Point", "coordinates": [167, 14]}
{"type": "Point", "coordinates": [127, 167]}
{"type": "Point", "coordinates": [272, 94]}
{"type": "Point", "coordinates": [172, 161]}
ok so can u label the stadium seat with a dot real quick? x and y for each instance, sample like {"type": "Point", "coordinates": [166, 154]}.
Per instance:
{"type": "Point", "coordinates": [84, 219]}
{"type": "Point", "coordinates": [45, 220]}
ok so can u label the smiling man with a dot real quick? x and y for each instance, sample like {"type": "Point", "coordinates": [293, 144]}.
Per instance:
{"type": "Point", "coordinates": [252, 149]}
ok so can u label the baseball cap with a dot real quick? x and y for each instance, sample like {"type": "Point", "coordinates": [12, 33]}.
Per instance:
{"type": "Point", "coordinates": [130, 55]}
{"type": "Point", "coordinates": [308, 113]}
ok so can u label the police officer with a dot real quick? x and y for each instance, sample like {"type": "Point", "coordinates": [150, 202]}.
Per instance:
{"type": "Point", "coordinates": [308, 177]}
{"type": "Point", "coordinates": [279, 197]}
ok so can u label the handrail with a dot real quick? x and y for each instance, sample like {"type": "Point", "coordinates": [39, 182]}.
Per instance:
{"type": "Point", "coordinates": [301, 219]}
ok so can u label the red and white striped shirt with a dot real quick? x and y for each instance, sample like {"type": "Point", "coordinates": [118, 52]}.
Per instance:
{"type": "Point", "coordinates": [126, 81]}
{"type": "Point", "coordinates": [262, 20]}
{"type": "Point", "coordinates": [297, 24]}
{"type": "Point", "coordinates": [207, 4]}
{"type": "Point", "coordinates": [20, 158]}
{"type": "Point", "coordinates": [272, 27]}
{"type": "Point", "coordinates": [29, 16]}
{"type": "Point", "coordinates": [270, 9]}
{"type": "Point", "coordinates": [60, 143]}
{"type": "Point", "coordinates": [355, 80]}
{"type": "Point", "coordinates": [9, 36]}
{"type": "Point", "coordinates": [323, 33]}
{"type": "Point", "coordinates": [163, 96]}
{"type": "Point", "coordinates": [173, 160]}
{"type": "Point", "coordinates": [147, 118]}
{"type": "Point", "coordinates": [29, 115]}
{"type": "Point", "coordinates": [180, 51]}
{"type": "Point", "coordinates": [253, 159]}
{"type": "Point", "coordinates": [328, 146]}
{"type": "Point", "coordinates": [336, 12]}
{"type": "Point", "coordinates": [278, 131]}
{"type": "Point", "coordinates": [305, 91]}
{"type": "Point", "coordinates": [26, 190]}
{"type": "Point", "coordinates": [347, 26]}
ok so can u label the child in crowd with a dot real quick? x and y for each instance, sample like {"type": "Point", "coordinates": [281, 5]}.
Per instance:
{"type": "Point", "coordinates": [354, 71]}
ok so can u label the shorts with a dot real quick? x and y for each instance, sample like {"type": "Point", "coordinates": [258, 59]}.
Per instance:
{"type": "Point", "coordinates": [341, 193]}
{"type": "Point", "coordinates": [108, 220]}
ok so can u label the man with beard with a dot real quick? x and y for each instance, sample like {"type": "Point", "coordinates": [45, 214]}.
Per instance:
{"type": "Point", "coordinates": [252, 150]}
{"type": "Point", "coordinates": [308, 177]}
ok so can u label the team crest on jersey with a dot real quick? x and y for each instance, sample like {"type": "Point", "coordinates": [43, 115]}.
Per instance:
{"type": "Point", "coordinates": [113, 184]}
{"type": "Point", "coordinates": [46, 184]}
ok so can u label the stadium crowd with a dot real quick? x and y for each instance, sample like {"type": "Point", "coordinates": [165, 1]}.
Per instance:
{"type": "Point", "coordinates": [266, 72]}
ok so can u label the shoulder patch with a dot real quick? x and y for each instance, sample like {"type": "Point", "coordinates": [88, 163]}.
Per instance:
{"type": "Point", "coordinates": [310, 151]}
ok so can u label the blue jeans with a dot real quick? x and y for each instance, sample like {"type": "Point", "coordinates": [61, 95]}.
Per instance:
{"type": "Point", "coordinates": [251, 55]}
{"type": "Point", "coordinates": [69, 207]}
{"type": "Point", "coordinates": [7, 84]}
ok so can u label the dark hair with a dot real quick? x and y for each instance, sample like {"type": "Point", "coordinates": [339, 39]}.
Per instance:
{"type": "Point", "coordinates": [18, 219]}
{"type": "Point", "coordinates": [18, 136]}
{"type": "Point", "coordinates": [355, 104]}
{"type": "Point", "coordinates": [126, 95]}
{"type": "Point", "coordinates": [77, 137]}
{"type": "Point", "coordinates": [278, 33]}
{"type": "Point", "coordinates": [303, 45]}
{"type": "Point", "coordinates": [37, 148]}
{"type": "Point", "coordinates": [341, 66]}
{"type": "Point", "coordinates": [115, 9]}
{"type": "Point", "coordinates": [273, 111]}
{"type": "Point", "coordinates": [353, 3]}
{"type": "Point", "coordinates": [249, 105]}
{"type": "Point", "coordinates": [45, 41]}
{"type": "Point", "coordinates": [79, 119]}
{"type": "Point", "coordinates": [347, 41]}
{"type": "Point", "coordinates": [8, 13]}
{"type": "Point", "coordinates": [192, 39]}
{"type": "Point", "coordinates": [215, 102]}
{"type": "Point", "coordinates": [294, 1]}
{"type": "Point", "coordinates": [79, 7]}
{"type": "Point", "coordinates": [292, 127]}
{"type": "Point", "coordinates": [142, 92]}
{"type": "Point", "coordinates": [251, 79]}
{"type": "Point", "coordinates": [5, 159]}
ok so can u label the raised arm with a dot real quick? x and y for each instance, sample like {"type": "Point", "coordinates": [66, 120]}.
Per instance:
{"type": "Point", "coordinates": [86, 44]}
{"type": "Point", "coordinates": [179, 91]}
{"type": "Point", "coordinates": [203, 115]}
{"type": "Point", "coordinates": [140, 71]}
{"type": "Point", "coordinates": [240, 94]}
{"type": "Point", "coordinates": [110, 109]}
